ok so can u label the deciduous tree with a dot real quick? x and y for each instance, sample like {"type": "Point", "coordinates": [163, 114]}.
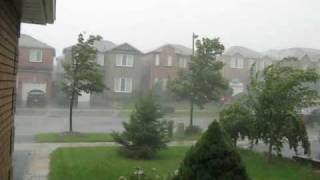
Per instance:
{"type": "Point", "coordinates": [202, 82]}
{"type": "Point", "coordinates": [277, 95]}
{"type": "Point", "coordinates": [82, 73]}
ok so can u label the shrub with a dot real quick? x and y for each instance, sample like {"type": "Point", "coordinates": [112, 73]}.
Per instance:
{"type": "Point", "coordinates": [213, 157]}
{"type": "Point", "coordinates": [144, 134]}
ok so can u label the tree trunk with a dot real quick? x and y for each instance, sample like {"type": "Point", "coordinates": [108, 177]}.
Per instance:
{"type": "Point", "coordinates": [191, 112]}
{"type": "Point", "coordinates": [70, 111]}
{"type": "Point", "coordinates": [270, 153]}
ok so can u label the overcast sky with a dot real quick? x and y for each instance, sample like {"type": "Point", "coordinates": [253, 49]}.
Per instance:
{"type": "Point", "coordinates": [147, 24]}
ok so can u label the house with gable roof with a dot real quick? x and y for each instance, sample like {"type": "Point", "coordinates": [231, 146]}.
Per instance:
{"type": "Point", "coordinates": [35, 67]}
{"type": "Point", "coordinates": [124, 71]}
{"type": "Point", "coordinates": [165, 62]}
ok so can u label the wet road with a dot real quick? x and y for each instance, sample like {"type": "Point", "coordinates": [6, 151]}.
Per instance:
{"type": "Point", "coordinates": [29, 122]}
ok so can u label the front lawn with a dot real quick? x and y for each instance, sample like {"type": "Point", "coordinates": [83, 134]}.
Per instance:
{"type": "Point", "coordinates": [100, 163]}
{"type": "Point", "coordinates": [75, 137]}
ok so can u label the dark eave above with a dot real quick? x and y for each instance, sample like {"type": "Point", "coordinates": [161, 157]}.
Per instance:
{"type": "Point", "coordinates": [38, 11]}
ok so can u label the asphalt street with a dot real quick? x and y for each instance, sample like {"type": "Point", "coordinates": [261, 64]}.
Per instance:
{"type": "Point", "coordinates": [29, 122]}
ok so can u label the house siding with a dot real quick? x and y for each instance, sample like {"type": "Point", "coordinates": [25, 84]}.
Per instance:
{"type": "Point", "coordinates": [113, 71]}
{"type": "Point", "coordinates": [163, 71]}
{"type": "Point", "coordinates": [9, 32]}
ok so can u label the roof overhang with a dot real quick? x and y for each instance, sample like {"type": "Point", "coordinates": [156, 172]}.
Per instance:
{"type": "Point", "coordinates": [38, 11]}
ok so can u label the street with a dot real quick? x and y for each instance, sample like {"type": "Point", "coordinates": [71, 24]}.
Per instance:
{"type": "Point", "coordinates": [29, 122]}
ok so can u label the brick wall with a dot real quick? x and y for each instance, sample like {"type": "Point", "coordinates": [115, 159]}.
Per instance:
{"type": "Point", "coordinates": [163, 71]}
{"type": "Point", "coordinates": [47, 59]}
{"type": "Point", "coordinates": [9, 32]}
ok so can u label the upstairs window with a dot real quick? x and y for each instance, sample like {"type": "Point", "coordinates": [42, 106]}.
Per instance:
{"type": "Point", "coordinates": [123, 85]}
{"type": "Point", "coordinates": [251, 62]}
{"type": "Point", "coordinates": [35, 55]}
{"type": "Point", "coordinates": [169, 60]}
{"type": "Point", "coordinates": [124, 60]}
{"type": "Point", "coordinates": [100, 59]}
{"type": "Point", "coordinates": [262, 65]}
{"type": "Point", "coordinates": [236, 63]}
{"type": "Point", "coordinates": [157, 60]}
{"type": "Point", "coordinates": [183, 63]}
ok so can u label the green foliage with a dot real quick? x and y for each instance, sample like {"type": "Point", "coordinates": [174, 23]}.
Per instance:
{"type": "Point", "coordinates": [82, 73]}
{"type": "Point", "coordinates": [238, 121]}
{"type": "Point", "coordinates": [202, 82]}
{"type": "Point", "coordinates": [144, 134]}
{"type": "Point", "coordinates": [213, 157]}
{"type": "Point", "coordinates": [276, 96]}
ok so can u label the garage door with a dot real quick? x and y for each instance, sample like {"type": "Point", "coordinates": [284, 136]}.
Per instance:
{"type": "Point", "coordinates": [27, 87]}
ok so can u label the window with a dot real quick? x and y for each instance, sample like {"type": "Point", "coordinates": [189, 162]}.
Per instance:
{"type": "Point", "coordinates": [157, 60]}
{"type": "Point", "coordinates": [123, 85]}
{"type": "Point", "coordinates": [164, 84]}
{"type": "Point", "coordinates": [100, 59]}
{"type": "Point", "coordinates": [35, 55]}
{"type": "Point", "coordinates": [124, 60]}
{"type": "Point", "coordinates": [236, 63]}
{"type": "Point", "coordinates": [251, 62]}
{"type": "Point", "coordinates": [237, 86]}
{"type": "Point", "coordinates": [183, 63]}
{"type": "Point", "coordinates": [156, 80]}
{"type": "Point", "coordinates": [169, 60]}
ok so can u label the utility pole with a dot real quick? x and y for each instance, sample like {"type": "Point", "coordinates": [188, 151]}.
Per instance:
{"type": "Point", "coordinates": [194, 37]}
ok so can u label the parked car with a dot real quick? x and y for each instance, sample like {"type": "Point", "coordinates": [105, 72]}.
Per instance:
{"type": "Point", "coordinates": [36, 98]}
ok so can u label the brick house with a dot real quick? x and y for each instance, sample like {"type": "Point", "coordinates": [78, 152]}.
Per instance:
{"type": "Point", "coordinates": [12, 13]}
{"type": "Point", "coordinates": [165, 62]}
{"type": "Point", "coordinates": [35, 67]}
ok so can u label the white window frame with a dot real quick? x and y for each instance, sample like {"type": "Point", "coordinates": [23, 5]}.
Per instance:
{"type": "Point", "coordinates": [237, 63]}
{"type": "Point", "coordinates": [123, 85]}
{"type": "Point", "coordinates": [34, 56]}
{"type": "Point", "coordinates": [156, 80]}
{"type": "Point", "coordinates": [169, 63]}
{"type": "Point", "coordinates": [128, 62]}
{"type": "Point", "coordinates": [182, 62]}
{"type": "Point", "coordinates": [251, 62]}
{"type": "Point", "coordinates": [164, 84]}
{"type": "Point", "coordinates": [262, 65]}
{"type": "Point", "coordinates": [157, 60]}
{"type": "Point", "coordinates": [100, 59]}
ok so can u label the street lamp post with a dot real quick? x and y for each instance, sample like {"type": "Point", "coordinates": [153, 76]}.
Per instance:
{"type": "Point", "coordinates": [194, 37]}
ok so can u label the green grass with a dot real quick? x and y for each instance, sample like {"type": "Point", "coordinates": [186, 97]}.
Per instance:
{"type": "Point", "coordinates": [77, 137]}
{"type": "Point", "coordinates": [100, 163]}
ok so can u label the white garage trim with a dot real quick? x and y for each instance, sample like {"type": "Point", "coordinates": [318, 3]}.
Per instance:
{"type": "Point", "coordinates": [27, 87]}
